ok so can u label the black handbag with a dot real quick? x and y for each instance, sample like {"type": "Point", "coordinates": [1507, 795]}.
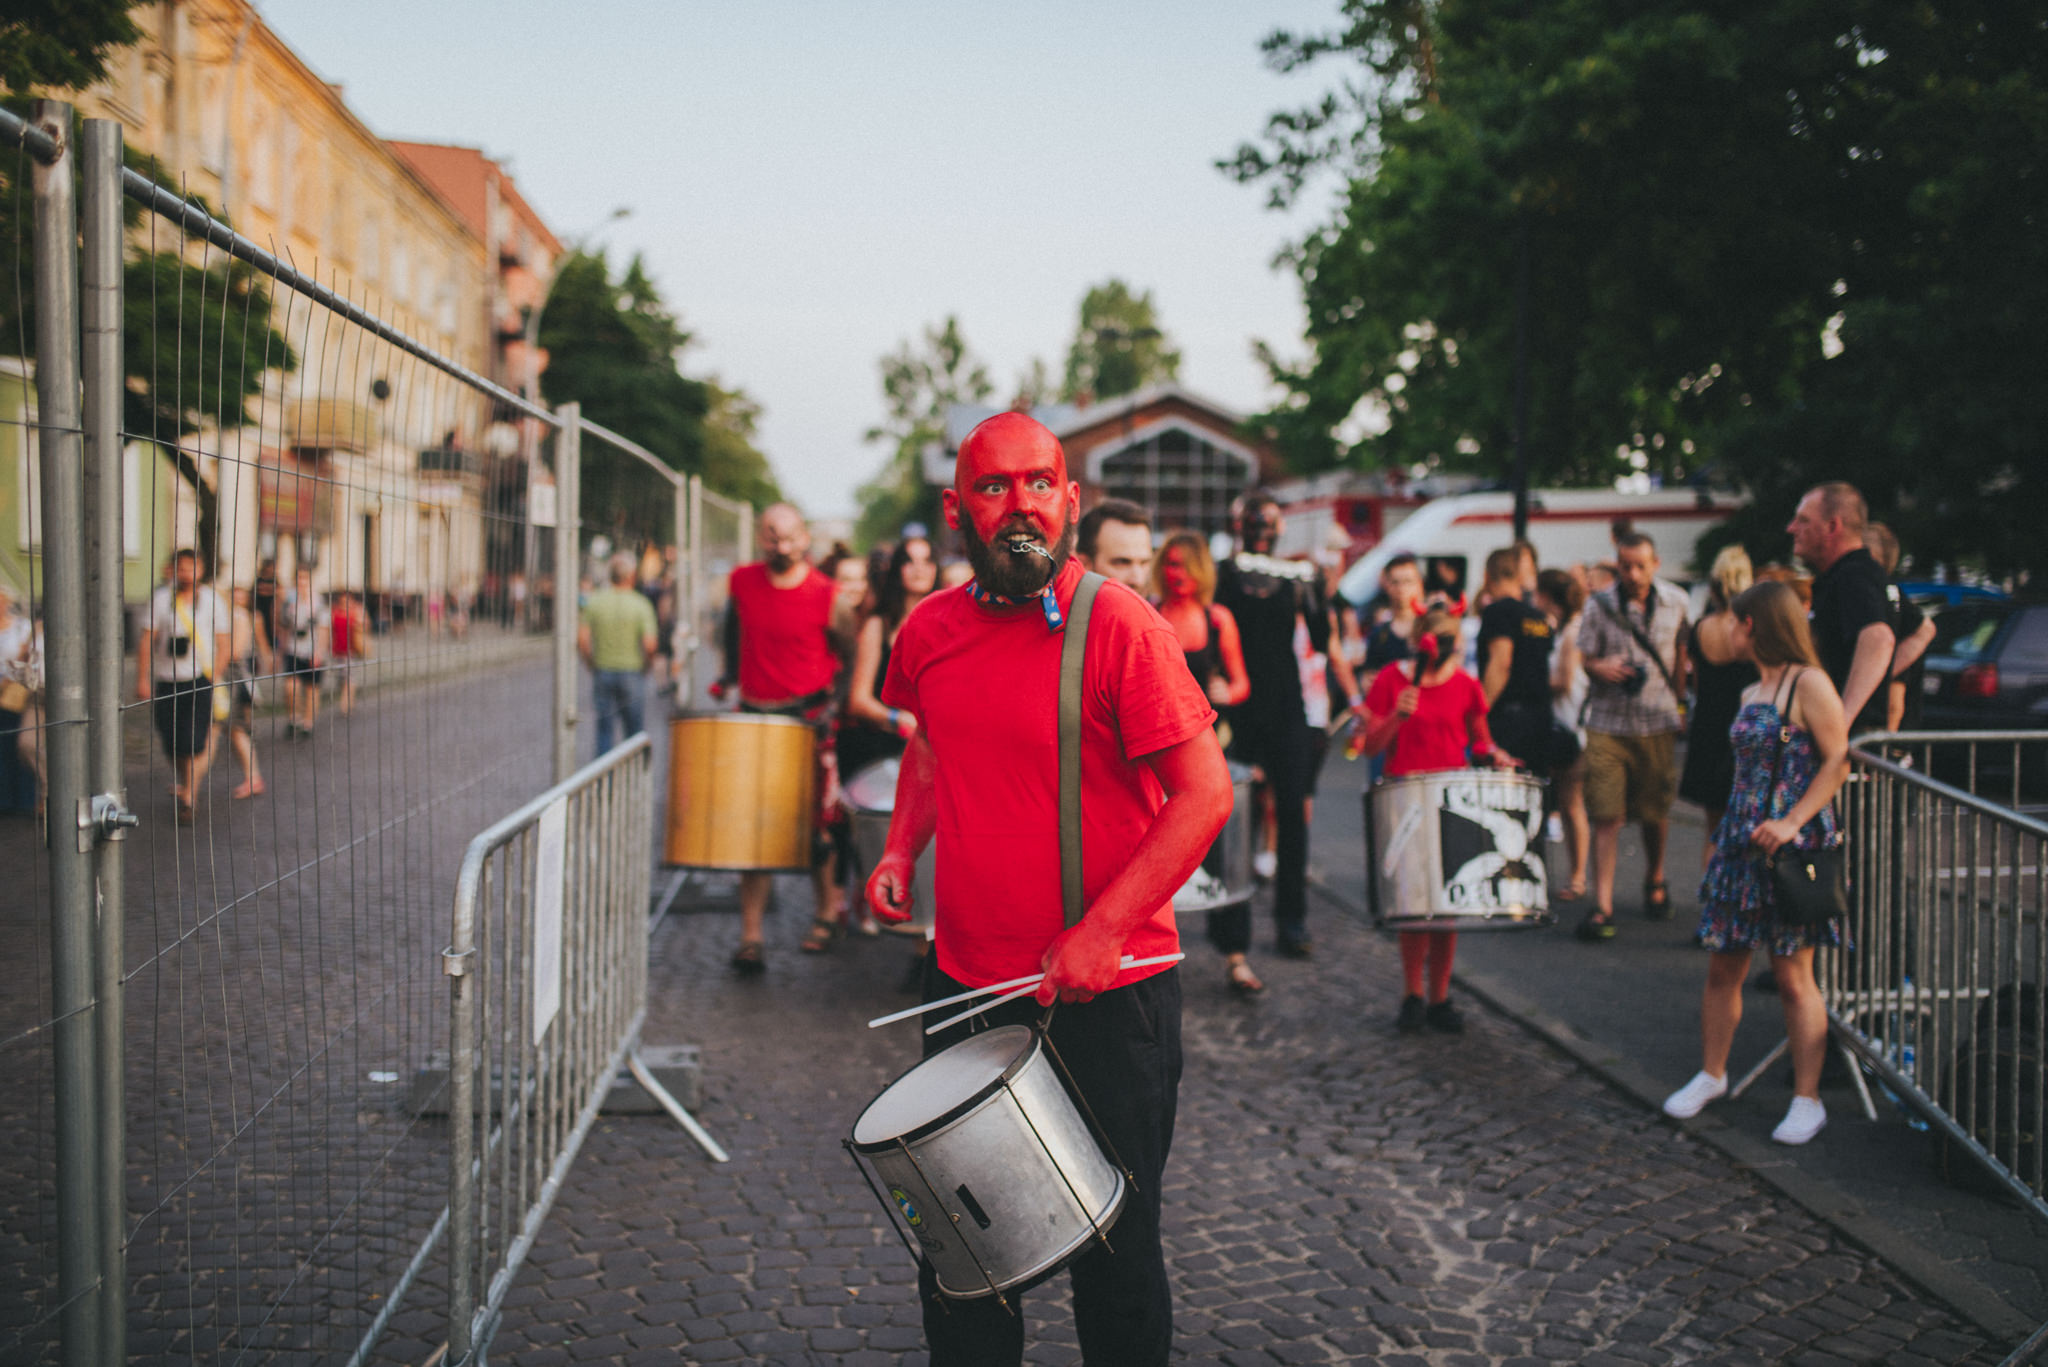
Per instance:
{"type": "Point", "coordinates": [1809, 887]}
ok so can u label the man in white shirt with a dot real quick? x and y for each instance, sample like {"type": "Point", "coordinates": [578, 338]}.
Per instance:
{"type": "Point", "coordinates": [186, 642]}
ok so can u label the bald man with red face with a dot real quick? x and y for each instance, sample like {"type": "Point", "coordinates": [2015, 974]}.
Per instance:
{"type": "Point", "coordinates": [979, 667]}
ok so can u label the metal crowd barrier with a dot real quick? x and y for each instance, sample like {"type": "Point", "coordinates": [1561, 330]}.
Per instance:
{"type": "Point", "coordinates": [548, 970]}
{"type": "Point", "coordinates": [1942, 996]}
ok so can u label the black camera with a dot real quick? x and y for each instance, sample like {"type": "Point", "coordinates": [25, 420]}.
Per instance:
{"type": "Point", "coordinates": [1632, 682]}
{"type": "Point", "coordinates": [181, 646]}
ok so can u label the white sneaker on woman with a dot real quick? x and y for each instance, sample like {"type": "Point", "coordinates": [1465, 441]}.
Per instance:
{"type": "Point", "coordinates": [1689, 1100]}
{"type": "Point", "coordinates": [1802, 1121]}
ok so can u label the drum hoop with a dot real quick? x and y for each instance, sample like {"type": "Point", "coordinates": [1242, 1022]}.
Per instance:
{"type": "Point", "coordinates": [954, 1114]}
{"type": "Point", "coordinates": [748, 718]}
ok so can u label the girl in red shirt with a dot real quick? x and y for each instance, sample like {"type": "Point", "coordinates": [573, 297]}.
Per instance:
{"type": "Point", "coordinates": [1427, 714]}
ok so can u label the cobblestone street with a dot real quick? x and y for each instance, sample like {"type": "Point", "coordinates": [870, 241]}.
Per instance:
{"type": "Point", "coordinates": [1337, 1193]}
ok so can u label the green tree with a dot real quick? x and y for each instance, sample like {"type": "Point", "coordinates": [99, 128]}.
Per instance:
{"type": "Point", "coordinates": [1118, 347]}
{"type": "Point", "coordinates": [919, 383]}
{"type": "Point", "coordinates": [614, 346]}
{"type": "Point", "coordinates": [1700, 193]}
{"type": "Point", "coordinates": [196, 339]}
{"type": "Point", "coordinates": [61, 44]}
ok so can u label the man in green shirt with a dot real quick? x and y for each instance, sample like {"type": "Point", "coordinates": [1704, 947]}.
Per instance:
{"type": "Point", "coordinates": [617, 636]}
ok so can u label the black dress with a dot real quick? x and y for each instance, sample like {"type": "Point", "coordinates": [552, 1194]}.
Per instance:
{"type": "Point", "coordinates": [1709, 774]}
{"type": "Point", "coordinates": [862, 743]}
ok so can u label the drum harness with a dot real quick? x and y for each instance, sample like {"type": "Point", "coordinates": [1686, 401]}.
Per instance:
{"type": "Point", "coordinates": [1073, 654]}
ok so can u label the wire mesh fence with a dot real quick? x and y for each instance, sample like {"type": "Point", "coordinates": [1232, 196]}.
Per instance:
{"type": "Point", "coordinates": [336, 634]}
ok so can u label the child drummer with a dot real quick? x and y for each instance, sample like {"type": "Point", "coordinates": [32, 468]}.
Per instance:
{"type": "Point", "coordinates": [1428, 714]}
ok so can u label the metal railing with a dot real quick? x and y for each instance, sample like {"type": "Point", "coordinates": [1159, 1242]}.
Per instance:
{"type": "Point", "coordinates": [1944, 996]}
{"type": "Point", "coordinates": [547, 965]}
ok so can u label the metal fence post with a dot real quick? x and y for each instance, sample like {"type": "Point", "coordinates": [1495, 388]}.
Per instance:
{"type": "Point", "coordinates": [104, 388]}
{"type": "Point", "coordinates": [71, 892]}
{"type": "Point", "coordinates": [696, 599]}
{"type": "Point", "coordinates": [678, 647]}
{"type": "Point", "coordinates": [568, 580]}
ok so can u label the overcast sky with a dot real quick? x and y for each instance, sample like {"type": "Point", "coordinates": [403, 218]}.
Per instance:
{"type": "Point", "coordinates": [813, 183]}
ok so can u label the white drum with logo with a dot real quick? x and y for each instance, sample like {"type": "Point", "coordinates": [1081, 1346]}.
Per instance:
{"type": "Point", "coordinates": [1224, 877]}
{"type": "Point", "coordinates": [1460, 849]}
{"type": "Point", "coordinates": [988, 1164]}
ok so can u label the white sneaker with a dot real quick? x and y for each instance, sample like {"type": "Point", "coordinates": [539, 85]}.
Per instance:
{"type": "Point", "coordinates": [1265, 864]}
{"type": "Point", "coordinates": [1689, 1100]}
{"type": "Point", "coordinates": [1805, 1119]}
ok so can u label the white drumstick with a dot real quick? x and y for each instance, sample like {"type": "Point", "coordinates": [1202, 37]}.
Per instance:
{"type": "Point", "coordinates": [1014, 988]}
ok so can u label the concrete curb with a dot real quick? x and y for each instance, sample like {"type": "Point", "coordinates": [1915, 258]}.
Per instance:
{"type": "Point", "coordinates": [1816, 1196]}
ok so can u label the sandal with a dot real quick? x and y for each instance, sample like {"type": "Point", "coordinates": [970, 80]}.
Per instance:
{"type": "Point", "coordinates": [1572, 891]}
{"type": "Point", "coordinates": [824, 930]}
{"type": "Point", "coordinates": [1656, 901]}
{"type": "Point", "coordinates": [1244, 982]}
{"type": "Point", "coordinates": [748, 959]}
{"type": "Point", "coordinates": [1595, 927]}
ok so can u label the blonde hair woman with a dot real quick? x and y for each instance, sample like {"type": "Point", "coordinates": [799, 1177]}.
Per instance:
{"type": "Point", "coordinates": [1791, 745]}
{"type": "Point", "coordinates": [1720, 675]}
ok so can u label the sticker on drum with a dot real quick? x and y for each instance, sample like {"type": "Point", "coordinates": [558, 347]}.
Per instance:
{"type": "Point", "coordinates": [1458, 849]}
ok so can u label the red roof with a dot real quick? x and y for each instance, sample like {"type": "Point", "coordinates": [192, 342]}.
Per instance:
{"type": "Point", "coordinates": [462, 175]}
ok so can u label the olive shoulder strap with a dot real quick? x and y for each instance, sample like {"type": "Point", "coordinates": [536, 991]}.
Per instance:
{"type": "Point", "coordinates": [1073, 655]}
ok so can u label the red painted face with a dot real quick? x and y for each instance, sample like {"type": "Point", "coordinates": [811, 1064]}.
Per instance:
{"type": "Point", "coordinates": [1012, 477]}
{"type": "Point", "coordinates": [1174, 576]}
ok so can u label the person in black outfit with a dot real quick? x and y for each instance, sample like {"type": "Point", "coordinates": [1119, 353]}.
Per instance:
{"type": "Point", "coordinates": [1720, 674]}
{"type": "Point", "coordinates": [1268, 597]}
{"type": "Point", "coordinates": [1914, 629]}
{"type": "Point", "coordinates": [1515, 640]}
{"type": "Point", "coordinates": [1852, 617]}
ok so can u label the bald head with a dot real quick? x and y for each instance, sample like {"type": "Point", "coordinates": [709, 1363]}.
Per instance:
{"type": "Point", "coordinates": [1008, 441]}
{"type": "Point", "coordinates": [783, 536]}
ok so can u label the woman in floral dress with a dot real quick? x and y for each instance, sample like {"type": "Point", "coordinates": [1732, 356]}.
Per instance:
{"type": "Point", "coordinates": [1790, 723]}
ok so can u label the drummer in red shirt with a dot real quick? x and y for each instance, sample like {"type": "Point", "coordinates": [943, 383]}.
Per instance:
{"type": "Point", "coordinates": [778, 651]}
{"type": "Point", "coordinates": [979, 667]}
{"type": "Point", "coordinates": [1429, 714]}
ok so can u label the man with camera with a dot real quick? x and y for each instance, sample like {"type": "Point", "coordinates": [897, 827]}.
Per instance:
{"type": "Point", "coordinates": [1631, 639]}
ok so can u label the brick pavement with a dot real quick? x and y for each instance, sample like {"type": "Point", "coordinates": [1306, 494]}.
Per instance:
{"type": "Point", "coordinates": [1337, 1193]}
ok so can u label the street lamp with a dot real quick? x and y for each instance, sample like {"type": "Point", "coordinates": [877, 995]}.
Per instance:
{"type": "Point", "coordinates": [530, 388]}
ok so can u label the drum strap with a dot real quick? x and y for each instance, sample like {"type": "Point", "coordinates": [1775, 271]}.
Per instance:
{"type": "Point", "coordinates": [1073, 653]}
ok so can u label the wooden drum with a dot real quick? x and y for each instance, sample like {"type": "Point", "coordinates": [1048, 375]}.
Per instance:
{"type": "Point", "coordinates": [742, 792]}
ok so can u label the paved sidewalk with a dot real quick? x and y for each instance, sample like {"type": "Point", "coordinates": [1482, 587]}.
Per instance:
{"type": "Point", "coordinates": [1629, 1008]}
{"type": "Point", "coordinates": [1337, 1194]}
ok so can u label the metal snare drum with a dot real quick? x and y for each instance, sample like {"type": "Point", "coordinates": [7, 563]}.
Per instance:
{"type": "Point", "coordinates": [1224, 877]}
{"type": "Point", "coordinates": [870, 802]}
{"type": "Point", "coordinates": [988, 1164]}
{"type": "Point", "coordinates": [1459, 849]}
{"type": "Point", "coordinates": [742, 792]}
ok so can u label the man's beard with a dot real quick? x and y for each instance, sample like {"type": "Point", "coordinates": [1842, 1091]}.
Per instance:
{"type": "Point", "coordinates": [780, 562]}
{"type": "Point", "coordinates": [1016, 574]}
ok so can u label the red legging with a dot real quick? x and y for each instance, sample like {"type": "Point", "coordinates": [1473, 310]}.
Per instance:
{"type": "Point", "coordinates": [1433, 949]}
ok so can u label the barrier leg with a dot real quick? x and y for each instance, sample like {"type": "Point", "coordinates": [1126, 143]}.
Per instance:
{"type": "Point", "coordinates": [645, 1076]}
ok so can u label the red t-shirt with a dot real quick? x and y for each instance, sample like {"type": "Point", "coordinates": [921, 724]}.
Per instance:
{"type": "Point", "coordinates": [785, 637]}
{"type": "Point", "coordinates": [984, 685]}
{"type": "Point", "coordinates": [1437, 734]}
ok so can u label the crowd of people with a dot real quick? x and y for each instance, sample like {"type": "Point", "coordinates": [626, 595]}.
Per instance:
{"type": "Point", "coordinates": [1586, 676]}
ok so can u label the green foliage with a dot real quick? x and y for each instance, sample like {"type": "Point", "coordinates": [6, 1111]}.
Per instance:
{"type": "Point", "coordinates": [613, 346]}
{"type": "Point", "coordinates": [1118, 347]}
{"type": "Point", "coordinates": [61, 44]}
{"type": "Point", "coordinates": [918, 385]}
{"type": "Point", "coordinates": [1701, 191]}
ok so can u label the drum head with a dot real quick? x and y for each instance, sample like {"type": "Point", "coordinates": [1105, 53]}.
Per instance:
{"type": "Point", "coordinates": [944, 1086]}
{"type": "Point", "coordinates": [873, 789]}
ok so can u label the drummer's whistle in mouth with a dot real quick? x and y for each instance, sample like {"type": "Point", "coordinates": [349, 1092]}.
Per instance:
{"type": "Point", "coordinates": [1019, 546]}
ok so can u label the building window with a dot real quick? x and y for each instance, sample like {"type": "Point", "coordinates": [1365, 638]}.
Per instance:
{"type": "Point", "coordinates": [1184, 480]}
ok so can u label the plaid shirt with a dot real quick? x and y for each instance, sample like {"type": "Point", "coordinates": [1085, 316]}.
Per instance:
{"type": "Point", "coordinates": [1653, 710]}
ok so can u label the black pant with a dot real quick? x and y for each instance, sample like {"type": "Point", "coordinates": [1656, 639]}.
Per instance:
{"type": "Point", "coordinates": [1123, 1050]}
{"type": "Point", "coordinates": [1285, 748]}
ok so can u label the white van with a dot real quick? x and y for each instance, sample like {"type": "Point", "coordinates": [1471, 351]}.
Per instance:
{"type": "Point", "coordinates": [1452, 536]}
